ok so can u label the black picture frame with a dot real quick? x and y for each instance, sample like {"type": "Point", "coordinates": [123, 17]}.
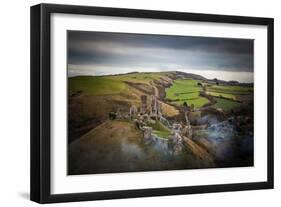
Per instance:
{"type": "Point", "coordinates": [41, 96]}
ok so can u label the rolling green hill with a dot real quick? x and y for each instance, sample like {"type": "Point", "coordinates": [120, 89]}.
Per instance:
{"type": "Point", "coordinates": [95, 85]}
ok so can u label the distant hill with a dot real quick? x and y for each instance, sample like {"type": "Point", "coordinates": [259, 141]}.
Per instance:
{"type": "Point", "coordinates": [180, 74]}
{"type": "Point", "coordinates": [175, 74]}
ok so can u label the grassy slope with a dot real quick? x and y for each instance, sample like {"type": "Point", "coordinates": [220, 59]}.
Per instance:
{"type": "Point", "coordinates": [186, 91]}
{"type": "Point", "coordinates": [103, 94]}
{"type": "Point", "coordinates": [141, 77]}
{"type": "Point", "coordinates": [115, 87]}
{"type": "Point", "coordinates": [95, 85]}
{"type": "Point", "coordinates": [160, 130]}
{"type": "Point", "coordinates": [116, 146]}
{"type": "Point", "coordinates": [101, 148]}
{"type": "Point", "coordinates": [226, 104]}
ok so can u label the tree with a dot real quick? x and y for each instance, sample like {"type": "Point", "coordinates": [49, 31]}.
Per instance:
{"type": "Point", "coordinates": [192, 107]}
{"type": "Point", "coordinates": [185, 106]}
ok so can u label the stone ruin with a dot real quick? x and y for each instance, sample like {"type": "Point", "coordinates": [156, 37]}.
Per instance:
{"type": "Point", "coordinates": [155, 107]}
{"type": "Point", "coordinates": [148, 113]}
{"type": "Point", "coordinates": [133, 111]}
{"type": "Point", "coordinates": [178, 143]}
{"type": "Point", "coordinates": [187, 131]}
{"type": "Point", "coordinates": [143, 108]}
{"type": "Point", "coordinates": [147, 132]}
{"type": "Point", "coordinates": [176, 128]}
{"type": "Point", "coordinates": [154, 111]}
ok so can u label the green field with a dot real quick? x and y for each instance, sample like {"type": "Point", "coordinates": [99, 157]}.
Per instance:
{"type": "Point", "coordinates": [198, 102]}
{"type": "Point", "coordinates": [163, 134]}
{"type": "Point", "coordinates": [95, 85]}
{"type": "Point", "coordinates": [229, 92]}
{"type": "Point", "coordinates": [223, 95]}
{"type": "Point", "coordinates": [231, 89]}
{"type": "Point", "coordinates": [160, 130]}
{"type": "Point", "coordinates": [226, 104]}
{"type": "Point", "coordinates": [186, 91]}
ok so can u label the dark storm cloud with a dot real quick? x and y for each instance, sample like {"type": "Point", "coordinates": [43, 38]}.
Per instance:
{"type": "Point", "coordinates": [163, 52]}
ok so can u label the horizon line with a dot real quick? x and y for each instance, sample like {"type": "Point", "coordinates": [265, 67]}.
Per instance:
{"type": "Point", "coordinates": [171, 71]}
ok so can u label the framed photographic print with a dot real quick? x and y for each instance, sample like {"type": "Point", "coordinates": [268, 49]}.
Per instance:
{"type": "Point", "coordinates": [132, 103]}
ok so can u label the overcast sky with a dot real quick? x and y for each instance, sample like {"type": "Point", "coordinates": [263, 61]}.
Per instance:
{"type": "Point", "coordinates": [102, 53]}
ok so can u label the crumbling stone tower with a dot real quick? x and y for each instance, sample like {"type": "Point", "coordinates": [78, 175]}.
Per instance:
{"type": "Point", "coordinates": [155, 106]}
{"type": "Point", "coordinates": [143, 108]}
{"type": "Point", "coordinates": [133, 111]}
{"type": "Point", "coordinates": [159, 108]}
